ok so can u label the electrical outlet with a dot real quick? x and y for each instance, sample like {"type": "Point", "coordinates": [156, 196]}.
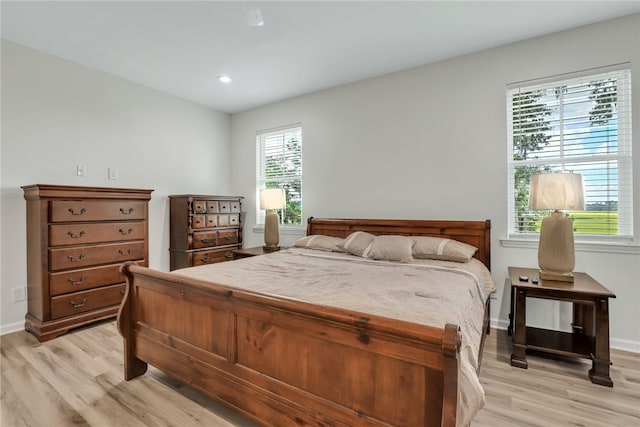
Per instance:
{"type": "Point", "coordinates": [19, 294]}
{"type": "Point", "coordinates": [81, 170]}
{"type": "Point", "coordinates": [113, 173]}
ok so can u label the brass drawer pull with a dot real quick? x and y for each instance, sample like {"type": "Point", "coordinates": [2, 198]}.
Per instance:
{"type": "Point", "coordinates": [205, 259]}
{"type": "Point", "coordinates": [79, 282]}
{"type": "Point", "coordinates": [76, 236]}
{"type": "Point", "coordinates": [228, 238]}
{"type": "Point", "coordinates": [206, 240]}
{"type": "Point", "coordinates": [82, 210]}
{"type": "Point", "coordinates": [127, 252]}
{"type": "Point", "coordinates": [123, 212]}
{"type": "Point", "coordinates": [125, 233]}
{"type": "Point", "coordinates": [72, 259]}
{"type": "Point", "coordinates": [76, 305]}
{"type": "Point", "coordinates": [122, 292]}
{"type": "Point", "coordinates": [229, 255]}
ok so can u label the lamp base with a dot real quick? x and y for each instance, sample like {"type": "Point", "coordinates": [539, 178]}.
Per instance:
{"type": "Point", "coordinates": [558, 277]}
{"type": "Point", "coordinates": [271, 234]}
{"type": "Point", "coordinates": [556, 251]}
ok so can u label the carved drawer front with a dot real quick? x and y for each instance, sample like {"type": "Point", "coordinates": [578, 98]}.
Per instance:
{"type": "Point", "coordinates": [80, 302]}
{"type": "Point", "coordinates": [203, 239]}
{"type": "Point", "coordinates": [210, 257]}
{"type": "Point", "coordinates": [199, 221]}
{"type": "Point", "coordinates": [62, 259]}
{"type": "Point", "coordinates": [224, 206]}
{"type": "Point", "coordinates": [199, 206]}
{"type": "Point", "coordinates": [223, 220]}
{"type": "Point", "coordinates": [84, 278]}
{"type": "Point", "coordinates": [97, 210]}
{"type": "Point", "coordinates": [235, 206]}
{"type": "Point", "coordinates": [227, 237]}
{"type": "Point", "coordinates": [212, 221]}
{"type": "Point", "coordinates": [234, 220]}
{"type": "Point", "coordinates": [212, 206]}
{"type": "Point", "coordinates": [77, 234]}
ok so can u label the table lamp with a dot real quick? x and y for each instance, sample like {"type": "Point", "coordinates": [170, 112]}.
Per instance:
{"type": "Point", "coordinates": [556, 250]}
{"type": "Point", "coordinates": [270, 200]}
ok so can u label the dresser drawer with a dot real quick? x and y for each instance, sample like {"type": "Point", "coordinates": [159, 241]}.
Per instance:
{"type": "Point", "coordinates": [228, 237]}
{"type": "Point", "coordinates": [80, 302]}
{"type": "Point", "coordinates": [78, 234]}
{"type": "Point", "coordinates": [212, 221]}
{"type": "Point", "coordinates": [234, 220]}
{"type": "Point", "coordinates": [224, 206]}
{"type": "Point", "coordinates": [97, 210]}
{"type": "Point", "coordinates": [85, 278]}
{"type": "Point", "coordinates": [73, 258]}
{"type": "Point", "coordinates": [234, 206]}
{"type": "Point", "coordinates": [204, 239]}
{"type": "Point", "coordinates": [198, 221]}
{"type": "Point", "coordinates": [210, 257]}
{"type": "Point", "coordinates": [199, 206]}
{"type": "Point", "coordinates": [212, 206]}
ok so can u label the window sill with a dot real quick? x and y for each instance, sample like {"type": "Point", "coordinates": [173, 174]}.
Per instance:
{"type": "Point", "coordinates": [602, 247]}
{"type": "Point", "coordinates": [285, 230]}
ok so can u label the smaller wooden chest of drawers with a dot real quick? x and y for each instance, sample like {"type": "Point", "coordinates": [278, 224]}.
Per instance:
{"type": "Point", "coordinates": [204, 229]}
{"type": "Point", "coordinates": [77, 238]}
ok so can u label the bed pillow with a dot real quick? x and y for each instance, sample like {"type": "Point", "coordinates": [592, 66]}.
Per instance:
{"type": "Point", "coordinates": [426, 247]}
{"type": "Point", "coordinates": [392, 248]}
{"type": "Point", "coordinates": [320, 242]}
{"type": "Point", "coordinates": [358, 243]}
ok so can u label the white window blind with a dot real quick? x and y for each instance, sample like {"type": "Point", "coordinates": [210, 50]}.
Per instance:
{"type": "Point", "coordinates": [279, 165]}
{"type": "Point", "coordinates": [579, 123]}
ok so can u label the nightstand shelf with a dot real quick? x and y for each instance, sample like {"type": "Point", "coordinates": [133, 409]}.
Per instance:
{"type": "Point", "coordinates": [560, 343]}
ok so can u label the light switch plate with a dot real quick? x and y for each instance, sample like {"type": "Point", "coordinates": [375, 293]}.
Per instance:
{"type": "Point", "coordinates": [113, 173]}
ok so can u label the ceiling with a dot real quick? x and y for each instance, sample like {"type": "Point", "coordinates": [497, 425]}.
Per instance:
{"type": "Point", "coordinates": [180, 47]}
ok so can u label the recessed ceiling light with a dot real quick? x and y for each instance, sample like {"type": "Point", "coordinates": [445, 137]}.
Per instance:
{"type": "Point", "coordinates": [224, 78]}
{"type": "Point", "coordinates": [254, 18]}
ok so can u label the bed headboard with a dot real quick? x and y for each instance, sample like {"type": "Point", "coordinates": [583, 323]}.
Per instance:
{"type": "Point", "coordinates": [476, 233]}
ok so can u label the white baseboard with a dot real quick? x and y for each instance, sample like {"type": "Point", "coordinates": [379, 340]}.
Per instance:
{"type": "Point", "coordinates": [626, 345]}
{"type": "Point", "coordinates": [618, 344]}
{"type": "Point", "coordinates": [11, 327]}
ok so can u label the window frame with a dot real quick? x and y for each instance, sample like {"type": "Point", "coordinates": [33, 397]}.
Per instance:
{"type": "Point", "coordinates": [623, 156]}
{"type": "Point", "coordinates": [261, 180]}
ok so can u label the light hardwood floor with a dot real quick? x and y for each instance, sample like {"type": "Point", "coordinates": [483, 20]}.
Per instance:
{"type": "Point", "coordinates": [77, 379]}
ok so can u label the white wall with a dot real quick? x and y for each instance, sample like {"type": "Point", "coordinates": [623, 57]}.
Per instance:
{"type": "Point", "coordinates": [56, 114]}
{"type": "Point", "coordinates": [431, 142]}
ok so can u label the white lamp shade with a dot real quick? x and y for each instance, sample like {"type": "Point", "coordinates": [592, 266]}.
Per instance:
{"type": "Point", "coordinates": [272, 198]}
{"type": "Point", "coordinates": [556, 191]}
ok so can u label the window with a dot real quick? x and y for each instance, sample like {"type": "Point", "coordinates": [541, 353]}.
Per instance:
{"type": "Point", "coordinates": [279, 165]}
{"type": "Point", "coordinates": [582, 124]}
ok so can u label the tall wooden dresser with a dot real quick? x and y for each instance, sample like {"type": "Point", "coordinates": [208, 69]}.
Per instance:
{"type": "Point", "coordinates": [77, 238]}
{"type": "Point", "coordinates": [204, 229]}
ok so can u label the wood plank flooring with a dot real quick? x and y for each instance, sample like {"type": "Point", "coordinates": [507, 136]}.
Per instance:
{"type": "Point", "coordinates": [77, 380]}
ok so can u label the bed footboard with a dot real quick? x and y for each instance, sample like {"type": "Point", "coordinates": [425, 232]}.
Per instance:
{"type": "Point", "coordinates": [284, 362]}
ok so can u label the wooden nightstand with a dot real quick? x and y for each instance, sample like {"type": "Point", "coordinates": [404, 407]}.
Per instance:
{"type": "Point", "coordinates": [249, 252]}
{"type": "Point", "coordinates": [590, 336]}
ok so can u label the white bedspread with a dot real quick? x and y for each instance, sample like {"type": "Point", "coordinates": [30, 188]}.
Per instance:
{"type": "Point", "coordinates": [426, 292]}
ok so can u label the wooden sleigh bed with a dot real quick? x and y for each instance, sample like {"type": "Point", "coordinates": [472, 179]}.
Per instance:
{"type": "Point", "coordinates": [280, 361]}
